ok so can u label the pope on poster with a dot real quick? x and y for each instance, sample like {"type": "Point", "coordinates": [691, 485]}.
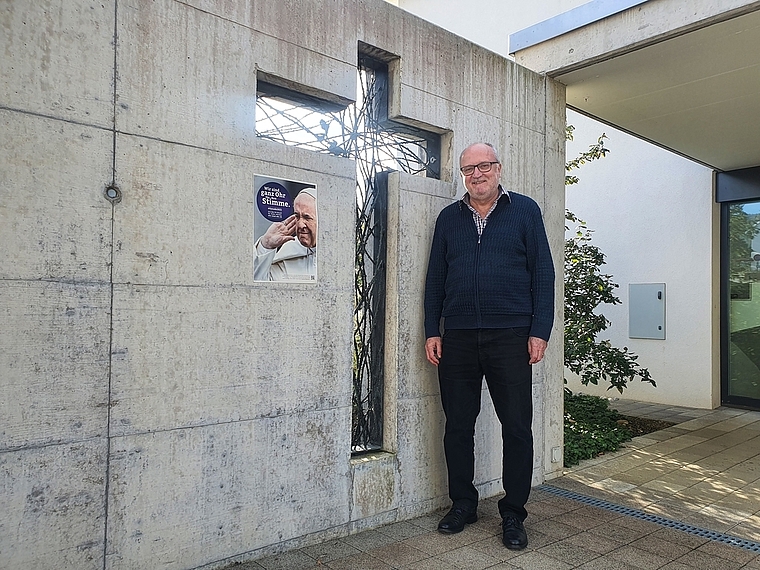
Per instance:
{"type": "Point", "coordinates": [287, 248]}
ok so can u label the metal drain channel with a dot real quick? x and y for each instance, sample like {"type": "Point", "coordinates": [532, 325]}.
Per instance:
{"type": "Point", "coordinates": [662, 521]}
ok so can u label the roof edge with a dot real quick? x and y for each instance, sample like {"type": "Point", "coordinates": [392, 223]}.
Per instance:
{"type": "Point", "coordinates": [568, 21]}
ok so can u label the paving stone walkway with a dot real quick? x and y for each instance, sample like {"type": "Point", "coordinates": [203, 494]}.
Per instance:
{"type": "Point", "coordinates": [702, 474]}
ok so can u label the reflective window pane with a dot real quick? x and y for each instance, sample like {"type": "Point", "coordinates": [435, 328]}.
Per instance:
{"type": "Point", "coordinates": [744, 300]}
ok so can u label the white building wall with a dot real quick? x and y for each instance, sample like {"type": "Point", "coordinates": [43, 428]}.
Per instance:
{"type": "Point", "coordinates": [485, 22]}
{"type": "Point", "coordinates": [654, 216]}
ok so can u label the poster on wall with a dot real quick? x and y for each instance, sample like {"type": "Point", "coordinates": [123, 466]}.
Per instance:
{"type": "Point", "coordinates": [284, 230]}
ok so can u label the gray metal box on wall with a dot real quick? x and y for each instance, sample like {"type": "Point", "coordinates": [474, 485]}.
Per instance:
{"type": "Point", "coordinates": [646, 310]}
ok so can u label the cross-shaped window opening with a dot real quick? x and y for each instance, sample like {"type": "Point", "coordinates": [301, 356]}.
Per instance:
{"type": "Point", "coordinates": [362, 132]}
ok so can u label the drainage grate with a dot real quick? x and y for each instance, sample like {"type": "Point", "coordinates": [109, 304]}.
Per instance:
{"type": "Point", "coordinates": [662, 521]}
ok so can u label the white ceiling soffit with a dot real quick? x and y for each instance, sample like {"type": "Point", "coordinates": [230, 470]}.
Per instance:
{"type": "Point", "coordinates": [697, 94]}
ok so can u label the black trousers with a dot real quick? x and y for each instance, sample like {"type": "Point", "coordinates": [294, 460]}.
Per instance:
{"type": "Point", "coordinates": [501, 355]}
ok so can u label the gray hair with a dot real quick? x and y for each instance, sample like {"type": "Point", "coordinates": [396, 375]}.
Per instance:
{"type": "Point", "coordinates": [488, 144]}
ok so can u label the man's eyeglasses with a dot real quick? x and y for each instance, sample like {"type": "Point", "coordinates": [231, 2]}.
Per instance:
{"type": "Point", "coordinates": [483, 167]}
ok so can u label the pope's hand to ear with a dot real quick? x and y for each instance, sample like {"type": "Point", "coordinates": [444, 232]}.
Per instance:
{"type": "Point", "coordinates": [279, 233]}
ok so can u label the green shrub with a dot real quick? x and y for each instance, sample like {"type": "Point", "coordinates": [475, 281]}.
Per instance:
{"type": "Point", "coordinates": [591, 428]}
{"type": "Point", "coordinates": [586, 289]}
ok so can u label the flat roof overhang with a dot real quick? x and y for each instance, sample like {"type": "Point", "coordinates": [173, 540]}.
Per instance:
{"type": "Point", "coordinates": [683, 75]}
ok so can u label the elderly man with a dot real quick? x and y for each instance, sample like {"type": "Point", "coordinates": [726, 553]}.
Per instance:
{"type": "Point", "coordinates": [491, 279]}
{"type": "Point", "coordinates": [282, 257]}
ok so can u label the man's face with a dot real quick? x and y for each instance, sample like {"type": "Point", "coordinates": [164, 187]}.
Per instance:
{"type": "Point", "coordinates": [305, 209]}
{"type": "Point", "coordinates": [482, 186]}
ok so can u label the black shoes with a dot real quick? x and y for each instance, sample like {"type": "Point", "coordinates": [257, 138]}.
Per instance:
{"type": "Point", "coordinates": [514, 536]}
{"type": "Point", "coordinates": [455, 520]}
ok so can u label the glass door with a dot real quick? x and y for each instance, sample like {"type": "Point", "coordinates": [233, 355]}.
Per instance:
{"type": "Point", "coordinates": [741, 292]}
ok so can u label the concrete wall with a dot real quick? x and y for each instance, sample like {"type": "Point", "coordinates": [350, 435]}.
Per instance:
{"type": "Point", "coordinates": [159, 408]}
{"type": "Point", "coordinates": [652, 212]}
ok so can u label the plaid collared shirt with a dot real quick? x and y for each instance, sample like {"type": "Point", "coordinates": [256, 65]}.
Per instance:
{"type": "Point", "coordinates": [480, 222]}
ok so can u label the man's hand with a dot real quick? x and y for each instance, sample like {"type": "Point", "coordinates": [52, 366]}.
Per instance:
{"type": "Point", "coordinates": [279, 233]}
{"type": "Point", "coordinates": [434, 349]}
{"type": "Point", "coordinates": [536, 349]}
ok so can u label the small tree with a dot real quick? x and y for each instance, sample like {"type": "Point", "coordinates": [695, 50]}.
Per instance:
{"type": "Point", "coordinates": [744, 228]}
{"type": "Point", "coordinates": [586, 287]}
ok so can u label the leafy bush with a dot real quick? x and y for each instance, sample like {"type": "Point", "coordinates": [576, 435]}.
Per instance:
{"type": "Point", "coordinates": [591, 428]}
{"type": "Point", "coordinates": [586, 288]}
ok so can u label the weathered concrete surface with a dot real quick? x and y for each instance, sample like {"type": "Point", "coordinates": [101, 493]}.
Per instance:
{"type": "Point", "coordinates": [45, 44]}
{"type": "Point", "coordinates": [55, 223]}
{"type": "Point", "coordinates": [201, 91]}
{"type": "Point", "coordinates": [54, 292]}
{"type": "Point", "coordinates": [374, 485]}
{"type": "Point", "coordinates": [53, 504]}
{"type": "Point", "coordinates": [412, 401]}
{"type": "Point", "coordinates": [226, 486]}
{"type": "Point", "coordinates": [229, 357]}
{"type": "Point", "coordinates": [54, 356]}
{"type": "Point", "coordinates": [551, 370]}
{"type": "Point", "coordinates": [152, 394]}
{"type": "Point", "coordinates": [55, 238]}
{"type": "Point", "coordinates": [191, 213]}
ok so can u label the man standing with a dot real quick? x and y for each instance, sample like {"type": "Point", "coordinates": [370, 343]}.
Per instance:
{"type": "Point", "coordinates": [491, 279]}
{"type": "Point", "coordinates": [282, 257]}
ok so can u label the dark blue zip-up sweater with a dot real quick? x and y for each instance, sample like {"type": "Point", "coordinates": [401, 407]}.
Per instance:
{"type": "Point", "coordinates": [504, 279]}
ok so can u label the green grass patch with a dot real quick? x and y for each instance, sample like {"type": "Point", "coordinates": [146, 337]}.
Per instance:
{"type": "Point", "coordinates": [591, 428]}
